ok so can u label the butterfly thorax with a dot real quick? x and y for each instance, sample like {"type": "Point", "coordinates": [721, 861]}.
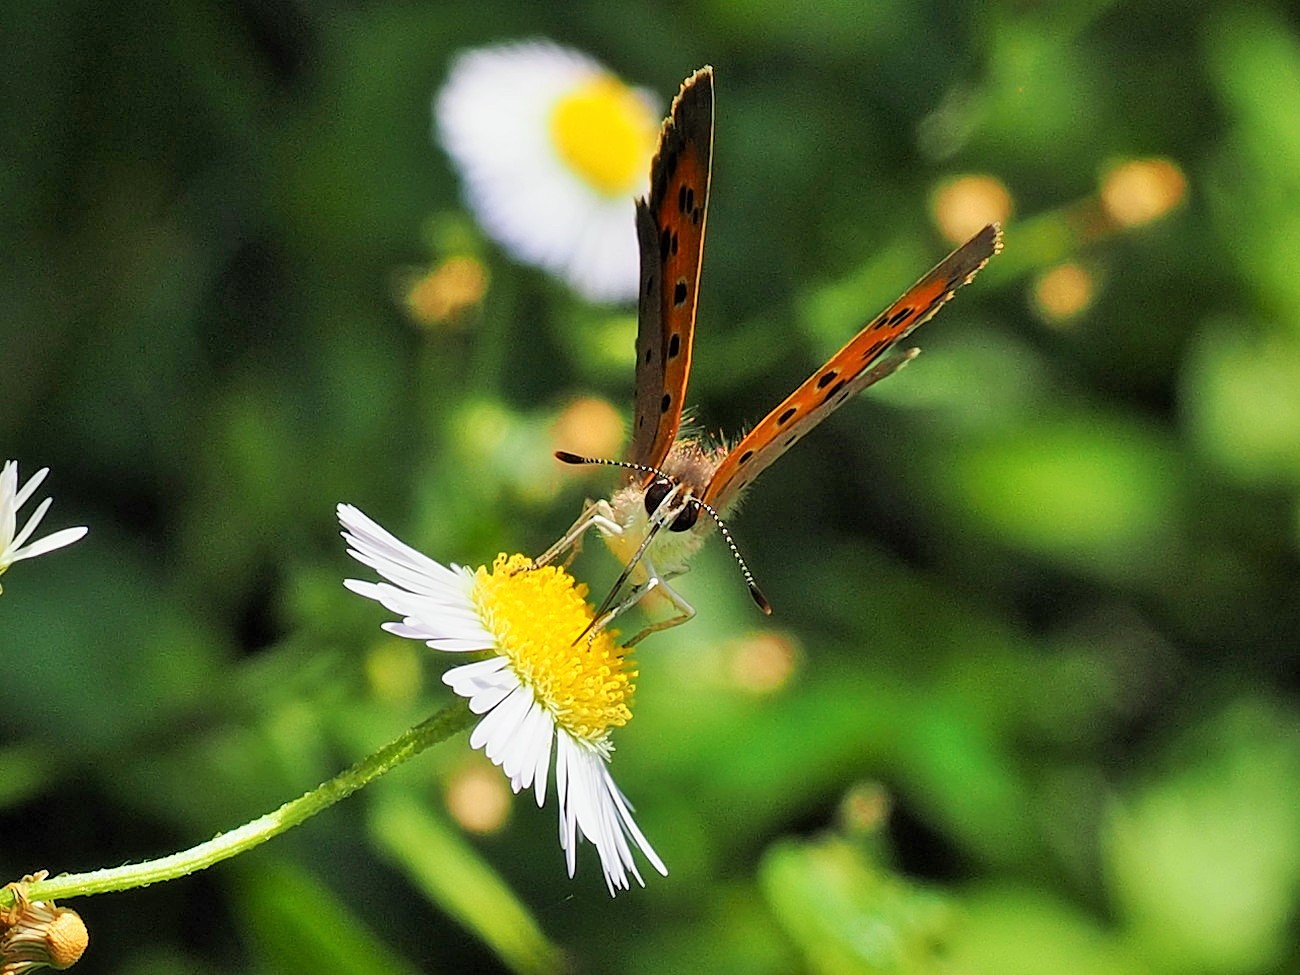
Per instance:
{"type": "Point", "coordinates": [692, 463]}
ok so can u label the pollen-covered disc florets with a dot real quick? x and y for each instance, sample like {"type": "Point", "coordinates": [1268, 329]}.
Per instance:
{"type": "Point", "coordinates": [537, 616]}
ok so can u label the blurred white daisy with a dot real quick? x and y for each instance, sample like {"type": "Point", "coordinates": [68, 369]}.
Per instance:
{"type": "Point", "coordinates": [15, 547]}
{"type": "Point", "coordinates": [541, 690]}
{"type": "Point", "coordinates": [553, 149]}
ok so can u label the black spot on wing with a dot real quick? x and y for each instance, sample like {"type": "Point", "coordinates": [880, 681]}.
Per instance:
{"type": "Point", "coordinates": [900, 316]}
{"type": "Point", "coordinates": [744, 458]}
{"type": "Point", "coordinates": [933, 306]}
{"type": "Point", "coordinates": [785, 417]}
{"type": "Point", "coordinates": [666, 402]}
{"type": "Point", "coordinates": [669, 156]}
{"type": "Point", "coordinates": [674, 345]}
{"type": "Point", "coordinates": [679, 293]}
{"type": "Point", "coordinates": [875, 348]}
{"type": "Point", "coordinates": [826, 379]}
{"type": "Point", "coordinates": [668, 244]}
{"type": "Point", "coordinates": [830, 393]}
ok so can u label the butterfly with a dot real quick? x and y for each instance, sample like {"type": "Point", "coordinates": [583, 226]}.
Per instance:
{"type": "Point", "coordinates": [653, 523]}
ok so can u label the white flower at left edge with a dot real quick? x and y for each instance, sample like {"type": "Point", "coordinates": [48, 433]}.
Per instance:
{"type": "Point", "coordinates": [542, 692]}
{"type": "Point", "coordinates": [553, 148]}
{"type": "Point", "coordinates": [14, 546]}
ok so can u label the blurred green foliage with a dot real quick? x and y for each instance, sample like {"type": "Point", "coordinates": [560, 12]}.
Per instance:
{"type": "Point", "coordinates": [1040, 590]}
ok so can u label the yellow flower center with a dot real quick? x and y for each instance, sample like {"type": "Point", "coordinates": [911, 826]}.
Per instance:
{"type": "Point", "coordinates": [536, 616]}
{"type": "Point", "coordinates": [606, 134]}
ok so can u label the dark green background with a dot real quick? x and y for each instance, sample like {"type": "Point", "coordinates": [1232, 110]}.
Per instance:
{"type": "Point", "coordinates": [1044, 584]}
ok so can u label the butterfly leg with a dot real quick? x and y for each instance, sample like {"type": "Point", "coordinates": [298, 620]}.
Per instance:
{"type": "Point", "coordinates": [655, 583]}
{"type": "Point", "coordinates": [685, 611]}
{"type": "Point", "coordinates": [597, 514]}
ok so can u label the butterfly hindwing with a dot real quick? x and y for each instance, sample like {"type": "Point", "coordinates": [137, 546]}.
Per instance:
{"type": "Point", "coordinates": [670, 232]}
{"type": "Point", "coordinates": [853, 368]}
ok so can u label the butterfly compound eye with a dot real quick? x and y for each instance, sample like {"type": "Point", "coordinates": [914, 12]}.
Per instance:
{"type": "Point", "coordinates": [686, 520]}
{"type": "Point", "coordinates": [655, 494]}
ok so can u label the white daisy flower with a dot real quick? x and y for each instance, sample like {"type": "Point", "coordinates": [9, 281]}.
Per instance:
{"type": "Point", "coordinates": [541, 691]}
{"type": "Point", "coordinates": [14, 547]}
{"type": "Point", "coordinates": [553, 149]}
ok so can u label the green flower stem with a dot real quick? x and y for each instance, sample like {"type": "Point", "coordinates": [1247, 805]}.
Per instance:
{"type": "Point", "coordinates": [441, 726]}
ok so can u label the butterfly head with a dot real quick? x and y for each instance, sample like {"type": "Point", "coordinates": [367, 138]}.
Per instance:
{"type": "Point", "coordinates": [687, 468]}
{"type": "Point", "coordinates": [659, 499]}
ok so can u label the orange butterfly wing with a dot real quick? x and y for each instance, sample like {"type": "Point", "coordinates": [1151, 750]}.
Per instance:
{"type": "Point", "coordinates": [670, 231]}
{"type": "Point", "coordinates": [850, 370]}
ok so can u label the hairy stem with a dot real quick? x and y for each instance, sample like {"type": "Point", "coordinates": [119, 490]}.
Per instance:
{"type": "Point", "coordinates": [439, 727]}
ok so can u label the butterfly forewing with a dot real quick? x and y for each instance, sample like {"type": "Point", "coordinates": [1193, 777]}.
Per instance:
{"type": "Point", "coordinates": [852, 369]}
{"type": "Point", "coordinates": [670, 232]}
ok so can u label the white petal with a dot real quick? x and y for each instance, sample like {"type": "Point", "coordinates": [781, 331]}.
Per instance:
{"type": "Point", "coordinates": [499, 725]}
{"type": "Point", "coordinates": [544, 765]}
{"type": "Point", "coordinates": [30, 487]}
{"type": "Point", "coordinates": [519, 761]}
{"type": "Point", "coordinates": [65, 536]}
{"type": "Point", "coordinates": [568, 824]}
{"type": "Point", "coordinates": [597, 819]}
{"type": "Point", "coordinates": [435, 602]}
{"type": "Point", "coordinates": [590, 803]}
{"type": "Point", "coordinates": [444, 644]}
{"type": "Point", "coordinates": [427, 617]}
{"type": "Point", "coordinates": [8, 503]}
{"type": "Point", "coordinates": [516, 736]}
{"type": "Point", "coordinates": [624, 810]}
{"type": "Point", "coordinates": [32, 524]}
{"type": "Point", "coordinates": [523, 764]}
{"type": "Point", "coordinates": [14, 546]}
{"type": "Point", "coordinates": [485, 683]}
{"type": "Point", "coordinates": [395, 560]}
